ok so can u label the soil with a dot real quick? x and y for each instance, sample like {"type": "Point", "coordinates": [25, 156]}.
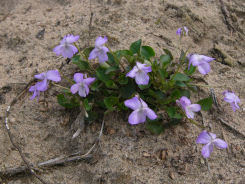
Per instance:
{"type": "Point", "coordinates": [29, 30]}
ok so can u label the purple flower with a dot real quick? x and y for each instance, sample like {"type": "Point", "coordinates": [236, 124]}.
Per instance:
{"type": "Point", "coordinates": [231, 98]}
{"type": "Point", "coordinates": [141, 110]}
{"type": "Point", "coordinates": [139, 72]}
{"type": "Point", "coordinates": [201, 61]}
{"type": "Point", "coordinates": [52, 75]}
{"type": "Point", "coordinates": [82, 84]}
{"type": "Point", "coordinates": [189, 108]}
{"type": "Point", "coordinates": [35, 91]}
{"type": "Point", "coordinates": [66, 48]}
{"type": "Point", "coordinates": [180, 31]}
{"type": "Point", "coordinates": [100, 50]}
{"type": "Point", "coordinates": [210, 140]}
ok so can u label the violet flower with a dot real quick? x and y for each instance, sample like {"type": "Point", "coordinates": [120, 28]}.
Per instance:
{"type": "Point", "coordinates": [181, 29]}
{"type": "Point", "coordinates": [66, 48]}
{"type": "Point", "coordinates": [141, 110]}
{"type": "Point", "coordinates": [201, 61]}
{"type": "Point", "coordinates": [139, 72]}
{"type": "Point", "coordinates": [52, 75]}
{"type": "Point", "coordinates": [231, 98]}
{"type": "Point", "coordinates": [82, 84]}
{"type": "Point", "coordinates": [210, 140]}
{"type": "Point", "coordinates": [35, 91]}
{"type": "Point", "coordinates": [189, 108]}
{"type": "Point", "coordinates": [100, 51]}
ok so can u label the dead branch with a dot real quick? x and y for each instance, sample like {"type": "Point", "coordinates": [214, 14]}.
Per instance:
{"type": "Point", "coordinates": [59, 161]}
{"type": "Point", "coordinates": [28, 165]}
{"type": "Point", "coordinates": [232, 128]}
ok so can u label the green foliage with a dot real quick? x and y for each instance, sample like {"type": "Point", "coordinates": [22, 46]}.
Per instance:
{"type": "Point", "coordinates": [206, 103]}
{"type": "Point", "coordinates": [147, 52]}
{"type": "Point", "coordinates": [68, 102]}
{"type": "Point", "coordinates": [83, 65]}
{"type": "Point", "coordinates": [169, 80]}
{"type": "Point", "coordinates": [135, 47]}
{"type": "Point", "coordinates": [155, 126]}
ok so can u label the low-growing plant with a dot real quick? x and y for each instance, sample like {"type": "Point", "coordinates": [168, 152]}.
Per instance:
{"type": "Point", "coordinates": [135, 79]}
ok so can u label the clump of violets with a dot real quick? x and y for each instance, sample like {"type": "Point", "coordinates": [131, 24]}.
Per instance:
{"type": "Point", "coordinates": [82, 84]}
{"type": "Point", "coordinates": [189, 108]}
{"type": "Point", "coordinates": [231, 98]}
{"type": "Point", "coordinates": [99, 51]}
{"type": "Point", "coordinates": [182, 30]}
{"type": "Point", "coordinates": [210, 140]}
{"type": "Point", "coordinates": [141, 111]}
{"type": "Point", "coordinates": [66, 47]}
{"type": "Point", "coordinates": [201, 61]}
{"type": "Point", "coordinates": [139, 72]}
{"type": "Point", "coordinates": [51, 75]}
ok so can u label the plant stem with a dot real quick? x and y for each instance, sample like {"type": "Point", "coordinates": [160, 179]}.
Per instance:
{"type": "Point", "coordinates": [60, 86]}
{"type": "Point", "coordinates": [118, 61]}
{"type": "Point", "coordinates": [66, 78]}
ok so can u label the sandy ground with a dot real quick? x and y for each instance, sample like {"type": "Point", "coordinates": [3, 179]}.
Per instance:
{"type": "Point", "coordinates": [29, 29]}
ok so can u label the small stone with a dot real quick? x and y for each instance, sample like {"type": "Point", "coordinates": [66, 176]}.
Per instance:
{"type": "Point", "coordinates": [163, 154]}
{"type": "Point", "coordinates": [111, 131]}
{"type": "Point", "coordinates": [145, 154]}
{"type": "Point", "coordinates": [172, 175]}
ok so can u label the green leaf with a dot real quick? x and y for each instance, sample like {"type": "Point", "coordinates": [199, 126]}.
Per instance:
{"type": "Point", "coordinates": [186, 93]}
{"type": "Point", "coordinates": [181, 77]}
{"type": "Point", "coordinates": [147, 52]}
{"type": "Point", "coordinates": [191, 70]}
{"type": "Point", "coordinates": [111, 59]}
{"type": "Point", "coordinates": [173, 113]}
{"type": "Point", "coordinates": [165, 60]}
{"type": "Point", "coordinates": [169, 53]}
{"type": "Point", "coordinates": [123, 79]}
{"type": "Point", "coordinates": [112, 69]}
{"type": "Point", "coordinates": [83, 65]}
{"type": "Point", "coordinates": [123, 53]}
{"type": "Point", "coordinates": [68, 102]}
{"type": "Point", "coordinates": [95, 85]}
{"type": "Point", "coordinates": [180, 84]}
{"type": "Point", "coordinates": [128, 90]}
{"type": "Point", "coordinates": [176, 94]}
{"type": "Point", "coordinates": [135, 47]}
{"type": "Point", "coordinates": [87, 51]}
{"type": "Point", "coordinates": [142, 87]}
{"type": "Point", "coordinates": [206, 103]}
{"type": "Point", "coordinates": [100, 73]}
{"type": "Point", "coordinates": [111, 84]}
{"type": "Point", "coordinates": [155, 126]}
{"type": "Point", "coordinates": [87, 106]}
{"type": "Point", "coordinates": [110, 102]}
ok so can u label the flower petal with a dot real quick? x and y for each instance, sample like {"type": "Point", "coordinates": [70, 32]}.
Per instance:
{"type": "Point", "coordinates": [70, 38]}
{"type": "Point", "coordinates": [41, 76]}
{"type": "Point", "coordinates": [89, 80]}
{"type": "Point", "coordinates": [74, 88]}
{"type": "Point", "coordinates": [69, 51]}
{"type": "Point", "coordinates": [42, 85]}
{"type": "Point", "coordinates": [141, 78]}
{"type": "Point", "coordinates": [82, 91]}
{"type": "Point", "coordinates": [150, 114]}
{"type": "Point", "coordinates": [194, 107]}
{"type": "Point", "coordinates": [133, 103]}
{"type": "Point", "coordinates": [178, 32]}
{"type": "Point", "coordinates": [132, 72]}
{"type": "Point", "coordinates": [203, 138]}
{"type": "Point", "coordinates": [204, 68]}
{"type": "Point", "coordinates": [220, 144]}
{"type": "Point", "coordinates": [136, 117]}
{"type": "Point", "coordinates": [102, 56]}
{"type": "Point", "coordinates": [207, 150]}
{"type": "Point", "coordinates": [78, 77]}
{"type": "Point", "coordinates": [190, 114]}
{"type": "Point", "coordinates": [100, 41]}
{"type": "Point", "coordinates": [53, 75]}
{"type": "Point", "coordinates": [58, 49]}
{"type": "Point", "coordinates": [93, 54]}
